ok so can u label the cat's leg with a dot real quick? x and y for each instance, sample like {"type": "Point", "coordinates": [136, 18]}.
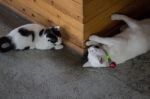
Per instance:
{"type": "Point", "coordinates": [131, 22]}
{"type": "Point", "coordinates": [57, 47]}
{"type": "Point", "coordinates": [32, 47]}
{"type": "Point", "coordinates": [89, 43]}
{"type": "Point", "coordinates": [101, 40]}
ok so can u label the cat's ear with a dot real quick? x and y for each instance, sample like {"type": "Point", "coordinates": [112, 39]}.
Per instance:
{"type": "Point", "coordinates": [87, 64]}
{"type": "Point", "coordinates": [57, 27]}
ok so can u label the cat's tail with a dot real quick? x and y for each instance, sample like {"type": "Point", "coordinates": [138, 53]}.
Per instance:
{"type": "Point", "coordinates": [129, 21]}
{"type": "Point", "coordinates": [6, 44]}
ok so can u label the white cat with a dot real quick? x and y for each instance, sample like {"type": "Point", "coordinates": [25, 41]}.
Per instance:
{"type": "Point", "coordinates": [131, 42]}
{"type": "Point", "coordinates": [32, 36]}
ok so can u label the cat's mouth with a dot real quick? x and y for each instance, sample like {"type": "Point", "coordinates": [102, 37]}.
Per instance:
{"type": "Point", "coordinates": [101, 60]}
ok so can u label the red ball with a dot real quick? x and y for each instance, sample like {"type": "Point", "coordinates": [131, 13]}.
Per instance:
{"type": "Point", "coordinates": [113, 65]}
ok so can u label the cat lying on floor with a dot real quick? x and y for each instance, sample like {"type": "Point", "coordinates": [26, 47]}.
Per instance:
{"type": "Point", "coordinates": [32, 36]}
{"type": "Point", "coordinates": [131, 42]}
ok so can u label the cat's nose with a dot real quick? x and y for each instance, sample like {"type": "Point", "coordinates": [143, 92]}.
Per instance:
{"type": "Point", "coordinates": [53, 40]}
{"type": "Point", "coordinates": [91, 49]}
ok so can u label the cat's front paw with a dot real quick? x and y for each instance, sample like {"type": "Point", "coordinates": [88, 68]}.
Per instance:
{"type": "Point", "coordinates": [89, 43]}
{"type": "Point", "coordinates": [93, 38]}
{"type": "Point", "coordinates": [116, 16]}
{"type": "Point", "coordinates": [58, 47]}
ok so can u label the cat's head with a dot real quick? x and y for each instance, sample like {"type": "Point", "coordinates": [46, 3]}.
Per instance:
{"type": "Point", "coordinates": [53, 35]}
{"type": "Point", "coordinates": [96, 57]}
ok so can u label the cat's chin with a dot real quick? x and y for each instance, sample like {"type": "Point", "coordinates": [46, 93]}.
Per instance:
{"type": "Point", "coordinates": [88, 64]}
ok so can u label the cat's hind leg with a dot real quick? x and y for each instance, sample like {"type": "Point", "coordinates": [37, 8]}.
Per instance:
{"type": "Point", "coordinates": [131, 22]}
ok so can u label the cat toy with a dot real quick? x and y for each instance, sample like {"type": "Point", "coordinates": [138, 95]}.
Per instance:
{"type": "Point", "coordinates": [112, 64]}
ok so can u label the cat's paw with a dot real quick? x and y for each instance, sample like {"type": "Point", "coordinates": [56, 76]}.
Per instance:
{"type": "Point", "coordinates": [87, 64]}
{"type": "Point", "coordinates": [116, 16]}
{"type": "Point", "coordinates": [89, 43]}
{"type": "Point", "coordinates": [58, 47]}
{"type": "Point", "coordinates": [93, 38]}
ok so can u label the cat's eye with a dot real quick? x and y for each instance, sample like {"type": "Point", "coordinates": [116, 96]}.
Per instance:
{"type": "Point", "coordinates": [96, 46]}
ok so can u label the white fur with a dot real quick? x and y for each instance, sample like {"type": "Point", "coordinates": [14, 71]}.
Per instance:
{"type": "Point", "coordinates": [131, 42]}
{"type": "Point", "coordinates": [40, 42]}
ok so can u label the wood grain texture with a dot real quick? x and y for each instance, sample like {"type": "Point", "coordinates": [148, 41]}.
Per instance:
{"type": "Point", "coordinates": [69, 7]}
{"type": "Point", "coordinates": [99, 21]}
{"type": "Point", "coordinates": [42, 12]}
{"type": "Point", "coordinates": [78, 18]}
{"type": "Point", "coordinates": [95, 7]}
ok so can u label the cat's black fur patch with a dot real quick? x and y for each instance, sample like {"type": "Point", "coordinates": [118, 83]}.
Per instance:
{"type": "Point", "coordinates": [51, 34]}
{"type": "Point", "coordinates": [41, 32]}
{"type": "Point", "coordinates": [96, 46]}
{"type": "Point", "coordinates": [4, 40]}
{"type": "Point", "coordinates": [85, 56]}
{"type": "Point", "coordinates": [25, 32]}
{"type": "Point", "coordinates": [56, 31]}
{"type": "Point", "coordinates": [26, 48]}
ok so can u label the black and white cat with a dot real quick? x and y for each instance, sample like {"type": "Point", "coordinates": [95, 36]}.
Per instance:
{"type": "Point", "coordinates": [131, 42]}
{"type": "Point", "coordinates": [32, 36]}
